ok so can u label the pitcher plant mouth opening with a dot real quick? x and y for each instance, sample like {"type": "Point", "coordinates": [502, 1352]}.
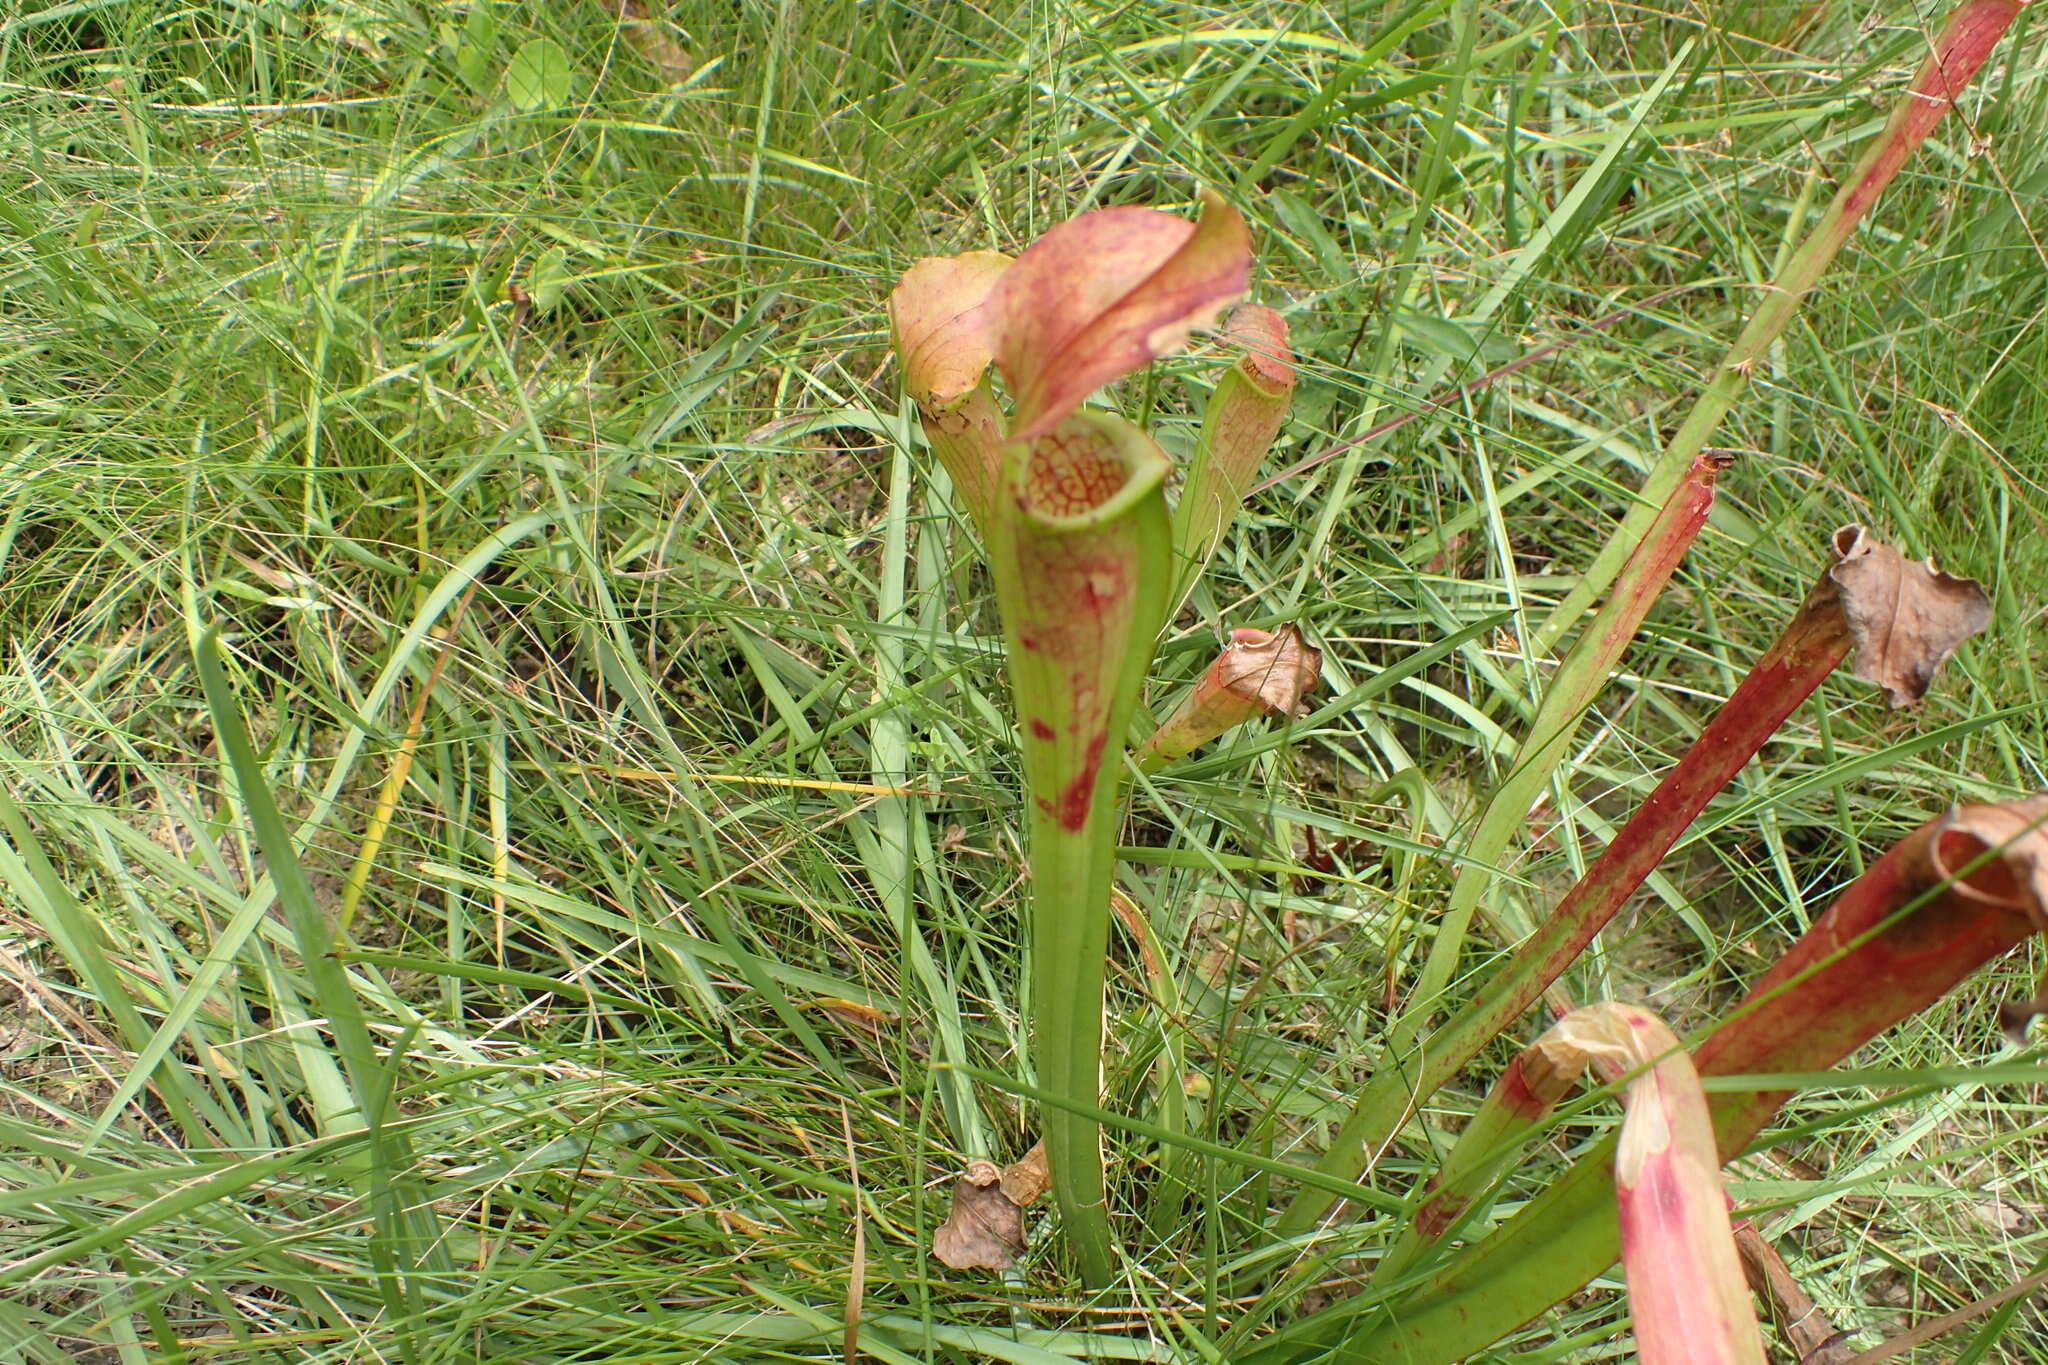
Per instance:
{"type": "Point", "coordinates": [1087, 471]}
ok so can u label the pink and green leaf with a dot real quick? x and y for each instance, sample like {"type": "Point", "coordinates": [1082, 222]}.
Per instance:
{"type": "Point", "coordinates": [1082, 561]}
{"type": "Point", "coordinates": [1074, 516]}
{"type": "Point", "coordinates": [1244, 415]}
{"type": "Point", "coordinates": [1104, 295]}
{"type": "Point", "coordinates": [1686, 1289]}
{"type": "Point", "coordinates": [937, 325]}
{"type": "Point", "coordinates": [1685, 1280]}
{"type": "Point", "coordinates": [1383, 1106]}
{"type": "Point", "coordinates": [1898, 620]}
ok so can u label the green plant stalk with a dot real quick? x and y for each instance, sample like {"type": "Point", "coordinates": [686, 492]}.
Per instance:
{"type": "Point", "coordinates": [1685, 1285]}
{"type": "Point", "coordinates": [1964, 43]}
{"type": "Point", "coordinates": [1578, 680]}
{"type": "Point", "coordinates": [1244, 414]}
{"type": "Point", "coordinates": [1521, 1097]}
{"type": "Point", "coordinates": [967, 437]}
{"type": "Point", "coordinates": [891, 859]}
{"type": "Point", "coordinates": [1174, 1188]}
{"type": "Point", "coordinates": [1081, 553]}
{"type": "Point", "coordinates": [1953, 895]}
{"type": "Point", "coordinates": [1812, 645]}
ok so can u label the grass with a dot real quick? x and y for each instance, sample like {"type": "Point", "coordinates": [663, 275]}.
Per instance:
{"type": "Point", "coordinates": [522, 372]}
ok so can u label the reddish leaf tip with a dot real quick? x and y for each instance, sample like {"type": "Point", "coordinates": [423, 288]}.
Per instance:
{"type": "Point", "coordinates": [1262, 335]}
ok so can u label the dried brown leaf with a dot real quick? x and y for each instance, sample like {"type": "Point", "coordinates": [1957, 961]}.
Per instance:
{"type": "Point", "coordinates": [985, 1230]}
{"type": "Point", "coordinates": [1258, 673]}
{"type": "Point", "coordinates": [1024, 1181]}
{"type": "Point", "coordinates": [1275, 669]}
{"type": "Point", "coordinates": [654, 40]}
{"type": "Point", "coordinates": [1906, 617]}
